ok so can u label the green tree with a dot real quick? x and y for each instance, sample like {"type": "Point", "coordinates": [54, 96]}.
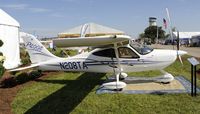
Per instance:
{"type": "Point", "coordinates": [1, 62]}
{"type": "Point", "coordinates": [1, 43]}
{"type": "Point", "coordinates": [141, 35]}
{"type": "Point", "coordinates": [151, 32]}
{"type": "Point", "coordinates": [174, 29]}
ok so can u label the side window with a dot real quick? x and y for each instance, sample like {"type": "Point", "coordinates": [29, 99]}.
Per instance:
{"type": "Point", "coordinates": [105, 53]}
{"type": "Point", "coordinates": [125, 52]}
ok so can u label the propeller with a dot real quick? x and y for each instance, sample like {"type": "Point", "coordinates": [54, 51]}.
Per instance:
{"type": "Point", "coordinates": [179, 53]}
{"type": "Point", "coordinates": [180, 59]}
{"type": "Point", "coordinates": [179, 56]}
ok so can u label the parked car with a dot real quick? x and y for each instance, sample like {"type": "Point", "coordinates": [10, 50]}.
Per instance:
{"type": "Point", "coordinates": [195, 41]}
{"type": "Point", "coordinates": [184, 42]}
{"type": "Point", "coordinates": [170, 42]}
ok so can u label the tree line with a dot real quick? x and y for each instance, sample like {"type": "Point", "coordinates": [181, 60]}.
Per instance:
{"type": "Point", "coordinates": [150, 34]}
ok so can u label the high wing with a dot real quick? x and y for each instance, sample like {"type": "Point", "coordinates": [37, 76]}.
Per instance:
{"type": "Point", "coordinates": [90, 41]}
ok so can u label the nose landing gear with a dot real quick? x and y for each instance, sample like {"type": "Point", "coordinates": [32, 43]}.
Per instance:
{"type": "Point", "coordinates": [166, 78]}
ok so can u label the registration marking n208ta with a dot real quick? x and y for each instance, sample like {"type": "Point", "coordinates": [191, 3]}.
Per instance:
{"type": "Point", "coordinates": [73, 65]}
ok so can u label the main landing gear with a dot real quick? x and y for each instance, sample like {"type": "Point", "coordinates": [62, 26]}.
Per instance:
{"type": "Point", "coordinates": [116, 85]}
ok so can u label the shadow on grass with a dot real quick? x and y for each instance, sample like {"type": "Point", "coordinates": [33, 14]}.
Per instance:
{"type": "Point", "coordinates": [68, 97]}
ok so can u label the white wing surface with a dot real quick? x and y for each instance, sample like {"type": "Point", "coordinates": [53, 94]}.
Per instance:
{"type": "Point", "coordinates": [90, 41]}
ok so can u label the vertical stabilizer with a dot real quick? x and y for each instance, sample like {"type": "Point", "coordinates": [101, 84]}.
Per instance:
{"type": "Point", "coordinates": [37, 52]}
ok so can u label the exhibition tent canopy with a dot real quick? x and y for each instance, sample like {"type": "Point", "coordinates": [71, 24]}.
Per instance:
{"type": "Point", "coordinates": [92, 29]}
{"type": "Point", "coordinates": [6, 19]}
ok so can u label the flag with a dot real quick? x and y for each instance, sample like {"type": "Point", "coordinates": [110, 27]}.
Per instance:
{"type": "Point", "coordinates": [165, 23]}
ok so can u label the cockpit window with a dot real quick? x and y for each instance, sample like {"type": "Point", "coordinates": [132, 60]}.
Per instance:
{"type": "Point", "coordinates": [106, 53]}
{"type": "Point", "coordinates": [141, 49]}
{"type": "Point", "coordinates": [125, 52]}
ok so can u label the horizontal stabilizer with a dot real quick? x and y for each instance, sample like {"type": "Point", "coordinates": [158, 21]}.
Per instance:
{"type": "Point", "coordinates": [23, 68]}
{"type": "Point", "coordinates": [34, 65]}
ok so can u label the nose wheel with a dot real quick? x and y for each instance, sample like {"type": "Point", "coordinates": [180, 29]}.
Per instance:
{"type": "Point", "coordinates": [166, 78]}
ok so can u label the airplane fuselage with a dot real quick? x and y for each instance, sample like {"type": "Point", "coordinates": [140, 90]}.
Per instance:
{"type": "Point", "coordinates": [89, 62]}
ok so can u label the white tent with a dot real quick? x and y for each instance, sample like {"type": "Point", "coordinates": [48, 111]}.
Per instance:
{"type": "Point", "coordinates": [9, 34]}
{"type": "Point", "coordinates": [92, 29]}
{"type": "Point", "coordinates": [187, 35]}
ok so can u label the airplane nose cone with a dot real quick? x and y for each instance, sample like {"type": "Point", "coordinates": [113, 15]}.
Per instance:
{"type": "Point", "coordinates": [179, 52]}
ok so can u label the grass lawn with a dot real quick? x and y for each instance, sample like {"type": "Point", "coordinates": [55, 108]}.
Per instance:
{"type": "Point", "coordinates": [64, 93]}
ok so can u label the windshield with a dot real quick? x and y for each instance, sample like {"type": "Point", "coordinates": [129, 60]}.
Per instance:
{"type": "Point", "coordinates": [141, 49]}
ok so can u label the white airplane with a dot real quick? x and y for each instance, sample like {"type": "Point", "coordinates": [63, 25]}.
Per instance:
{"type": "Point", "coordinates": [112, 55]}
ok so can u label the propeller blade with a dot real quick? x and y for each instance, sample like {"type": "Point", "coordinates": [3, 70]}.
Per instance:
{"type": "Point", "coordinates": [179, 56]}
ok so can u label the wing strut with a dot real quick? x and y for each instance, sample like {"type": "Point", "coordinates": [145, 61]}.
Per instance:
{"type": "Point", "coordinates": [119, 70]}
{"type": "Point", "coordinates": [118, 65]}
{"type": "Point", "coordinates": [116, 85]}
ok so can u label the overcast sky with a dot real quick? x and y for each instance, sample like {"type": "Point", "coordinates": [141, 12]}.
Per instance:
{"type": "Point", "coordinates": [49, 17]}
